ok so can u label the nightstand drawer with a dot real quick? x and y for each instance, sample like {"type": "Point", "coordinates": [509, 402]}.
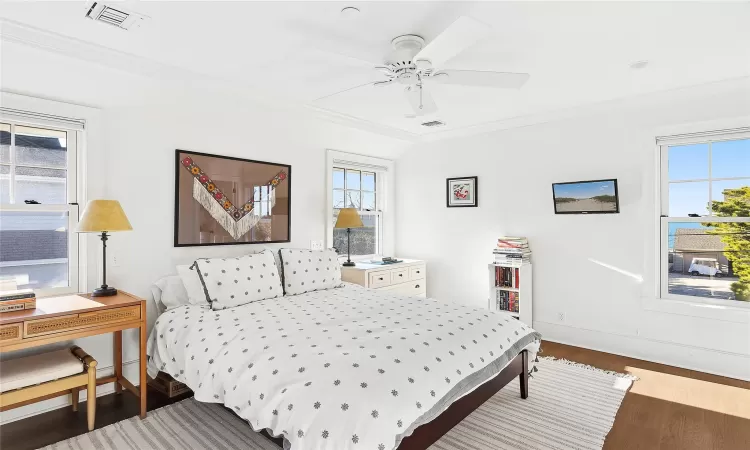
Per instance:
{"type": "Point", "coordinates": [379, 279]}
{"type": "Point", "coordinates": [41, 327]}
{"type": "Point", "coordinates": [417, 273]}
{"type": "Point", "coordinates": [399, 275]}
{"type": "Point", "coordinates": [411, 289]}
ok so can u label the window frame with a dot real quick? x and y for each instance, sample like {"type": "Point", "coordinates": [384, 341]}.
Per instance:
{"type": "Point", "coordinates": [663, 144]}
{"type": "Point", "coordinates": [74, 141]}
{"type": "Point", "coordinates": [383, 170]}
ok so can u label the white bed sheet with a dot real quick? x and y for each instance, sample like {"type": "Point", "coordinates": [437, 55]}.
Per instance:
{"type": "Point", "coordinates": [343, 368]}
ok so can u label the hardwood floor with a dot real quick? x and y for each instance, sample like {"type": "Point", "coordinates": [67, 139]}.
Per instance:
{"type": "Point", "coordinates": [667, 409]}
{"type": "Point", "coordinates": [670, 408]}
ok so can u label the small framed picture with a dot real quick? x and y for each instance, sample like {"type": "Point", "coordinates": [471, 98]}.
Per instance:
{"type": "Point", "coordinates": [462, 192]}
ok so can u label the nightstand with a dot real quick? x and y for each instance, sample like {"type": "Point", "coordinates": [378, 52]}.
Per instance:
{"type": "Point", "coordinates": [405, 278]}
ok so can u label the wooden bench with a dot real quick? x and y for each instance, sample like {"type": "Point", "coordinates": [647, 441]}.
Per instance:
{"type": "Point", "coordinates": [39, 377]}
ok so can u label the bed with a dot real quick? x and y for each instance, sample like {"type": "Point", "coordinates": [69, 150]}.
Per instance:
{"type": "Point", "coordinates": [344, 368]}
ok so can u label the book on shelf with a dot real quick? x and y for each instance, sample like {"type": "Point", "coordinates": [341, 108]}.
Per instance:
{"type": "Point", "coordinates": [510, 251]}
{"type": "Point", "coordinates": [507, 277]}
{"type": "Point", "coordinates": [507, 301]}
{"type": "Point", "coordinates": [511, 241]}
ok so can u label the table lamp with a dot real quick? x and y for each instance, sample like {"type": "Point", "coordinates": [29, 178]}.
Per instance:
{"type": "Point", "coordinates": [348, 218]}
{"type": "Point", "coordinates": [103, 216]}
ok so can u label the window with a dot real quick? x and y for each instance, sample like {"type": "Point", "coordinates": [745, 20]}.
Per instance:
{"type": "Point", "coordinates": [38, 211]}
{"type": "Point", "coordinates": [355, 188]}
{"type": "Point", "coordinates": [364, 183]}
{"type": "Point", "coordinates": [705, 223]}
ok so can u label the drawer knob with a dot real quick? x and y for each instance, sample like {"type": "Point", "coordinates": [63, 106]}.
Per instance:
{"type": "Point", "coordinates": [381, 278]}
{"type": "Point", "coordinates": [401, 274]}
{"type": "Point", "coordinates": [416, 287]}
{"type": "Point", "coordinates": [418, 271]}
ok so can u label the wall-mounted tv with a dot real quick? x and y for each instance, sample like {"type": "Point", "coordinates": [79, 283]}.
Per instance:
{"type": "Point", "coordinates": [586, 197]}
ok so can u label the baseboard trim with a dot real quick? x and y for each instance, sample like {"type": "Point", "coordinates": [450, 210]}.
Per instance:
{"type": "Point", "coordinates": [674, 354]}
{"type": "Point", "coordinates": [102, 390]}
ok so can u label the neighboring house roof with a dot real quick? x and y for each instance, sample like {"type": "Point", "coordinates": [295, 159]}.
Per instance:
{"type": "Point", "coordinates": [697, 239]}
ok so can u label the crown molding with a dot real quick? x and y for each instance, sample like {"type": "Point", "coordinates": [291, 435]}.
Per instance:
{"type": "Point", "coordinates": [19, 33]}
{"type": "Point", "coordinates": [705, 89]}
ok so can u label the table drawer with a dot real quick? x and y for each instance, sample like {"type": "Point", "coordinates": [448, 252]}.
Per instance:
{"type": "Point", "coordinates": [411, 289]}
{"type": "Point", "coordinates": [399, 275]}
{"type": "Point", "coordinates": [417, 273]}
{"type": "Point", "coordinates": [41, 327]}
{"type": "Point", "coordinates": [11, 333]}
{"type": "Point", "coordinates": [379, 279]}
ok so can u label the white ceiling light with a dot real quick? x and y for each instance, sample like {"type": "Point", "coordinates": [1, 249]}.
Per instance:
{"type": "Point", "coordinates": [637, 65]}
{"type": "Point", "coordinates": [349, 12]}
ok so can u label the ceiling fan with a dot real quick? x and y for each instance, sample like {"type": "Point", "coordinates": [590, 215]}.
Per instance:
{"type": "Point", "coordinates": [417, 66]}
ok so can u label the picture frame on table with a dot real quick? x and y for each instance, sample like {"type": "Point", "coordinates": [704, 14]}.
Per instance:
{"type": "Point", "coordinates": [462, 192]}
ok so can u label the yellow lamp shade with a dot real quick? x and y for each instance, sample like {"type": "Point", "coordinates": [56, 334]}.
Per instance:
{"type": "Point", "coordinates": [348, 218]}
{"type": "Point", "coordinates": [103, 215]}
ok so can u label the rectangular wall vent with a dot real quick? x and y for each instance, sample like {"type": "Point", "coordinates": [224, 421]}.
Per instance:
{"type": "Point", "coordinates": [433, 123]}
{"type": "Point", "coordinates": [114, 16]}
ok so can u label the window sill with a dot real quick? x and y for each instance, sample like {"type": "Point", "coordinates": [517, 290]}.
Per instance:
{"type": "Point", "coordinates": [715, 310]}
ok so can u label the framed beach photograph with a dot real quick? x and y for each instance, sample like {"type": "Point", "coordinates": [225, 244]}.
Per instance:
{"type": "Point", "coordinates": [222, 200]}
{"type": "Point", "coordinates": [461, 192]}
{"type": "Point", "coordinates": [586, 197]}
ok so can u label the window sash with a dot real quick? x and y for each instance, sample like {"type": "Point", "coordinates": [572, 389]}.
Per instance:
{"type": "Point", "coordinates": [378, 236]}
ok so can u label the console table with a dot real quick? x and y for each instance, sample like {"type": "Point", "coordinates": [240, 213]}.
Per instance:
{"type": "Point", "coordinates": [59, 319]}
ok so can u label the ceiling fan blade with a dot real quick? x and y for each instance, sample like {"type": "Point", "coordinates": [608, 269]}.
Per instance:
{"type": "Point", "coordinates": [420, 100]}
{"type": "Point", "coordinates": [459, 35]}
{"type": "Point", "coordinates": [368, 84]}
{"type": "Point", "coordinates": [502, 80]}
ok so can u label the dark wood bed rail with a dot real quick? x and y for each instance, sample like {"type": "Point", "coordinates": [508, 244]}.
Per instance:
{"type": "Point", "coordinates": [429, 433]}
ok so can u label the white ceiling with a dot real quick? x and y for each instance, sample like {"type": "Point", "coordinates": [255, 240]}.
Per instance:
{"type": "Point", "coordinates": [577, 53]}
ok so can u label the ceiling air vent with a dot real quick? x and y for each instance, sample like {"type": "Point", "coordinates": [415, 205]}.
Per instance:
{"type": "Point", "coordinates": [114, 16]}
{"type": "Point", "coordinates": [433, 123]}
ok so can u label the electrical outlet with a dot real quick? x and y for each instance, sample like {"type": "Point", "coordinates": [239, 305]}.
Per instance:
{"type": "Point", "coordinates": [115, 260]}
{"type": "Point", "coordinates": [561, 317]}
{"type": "Point", "coordinates": [316, 245]}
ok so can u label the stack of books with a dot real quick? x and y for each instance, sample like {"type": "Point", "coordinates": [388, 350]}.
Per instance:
{"type": "Point", "coordinates": [512, 251]}
{"type": "Point", "coordinates": [17, 300]}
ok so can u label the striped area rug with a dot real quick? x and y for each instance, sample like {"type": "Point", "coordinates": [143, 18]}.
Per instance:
{"type": "Point", "coordinates": [570, 406]}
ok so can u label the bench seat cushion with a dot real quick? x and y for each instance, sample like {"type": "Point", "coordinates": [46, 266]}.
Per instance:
{"type": "Point", "coordinates": [31, 370]}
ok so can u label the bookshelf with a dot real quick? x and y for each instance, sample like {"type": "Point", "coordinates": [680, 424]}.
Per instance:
{"type": "Point", "coordinates": [510, 290]}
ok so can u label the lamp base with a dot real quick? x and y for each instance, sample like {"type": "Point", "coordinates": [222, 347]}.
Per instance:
{"type": "Point", "coordinates": [348, 264]}
{"type": "Point", "coordinates": [104, 291]}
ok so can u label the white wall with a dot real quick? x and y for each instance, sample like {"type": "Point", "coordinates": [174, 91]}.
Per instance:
{"type": "Point", "coordinates": [140, 122]}
{"type": "Point", "coordinates": [604, 309]}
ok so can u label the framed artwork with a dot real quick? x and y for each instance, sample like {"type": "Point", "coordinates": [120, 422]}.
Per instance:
{"type": "Point", "coordinates": [462, 192]}
{"type": "Point", "coordinates": [222, 200]}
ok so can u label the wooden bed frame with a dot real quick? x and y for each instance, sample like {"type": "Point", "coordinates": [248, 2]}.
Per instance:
{"type": "Point", "coordinates": [429, 433]}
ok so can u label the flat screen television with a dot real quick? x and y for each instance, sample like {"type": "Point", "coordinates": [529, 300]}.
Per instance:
{"type": "Point", "coordinates": [586, 197]}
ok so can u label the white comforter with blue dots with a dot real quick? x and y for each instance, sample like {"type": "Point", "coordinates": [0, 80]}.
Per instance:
{"type": "Point", "coordinates": [344, 368]}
